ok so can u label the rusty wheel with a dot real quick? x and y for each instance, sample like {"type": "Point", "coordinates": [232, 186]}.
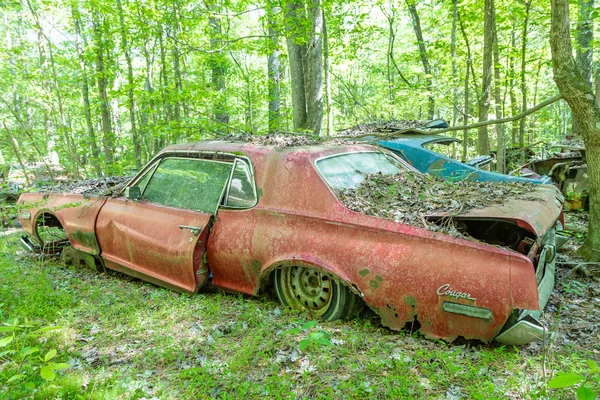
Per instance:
{"type": "Point", "coordinates": [308, 289]}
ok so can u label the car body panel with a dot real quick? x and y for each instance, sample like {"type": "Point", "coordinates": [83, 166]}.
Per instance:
{"type": "Point", "coordinates": [147, 238]}
{"type": "Point", "coordinates": [407, 275]}
{"type": "Point", "coordinates": [411, 148]}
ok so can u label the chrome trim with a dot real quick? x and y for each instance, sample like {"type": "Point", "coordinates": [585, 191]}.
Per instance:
{"type": "Point", "coordinates": [523, 332]}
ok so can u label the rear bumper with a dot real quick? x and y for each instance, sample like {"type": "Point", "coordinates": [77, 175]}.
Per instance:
{"type": "Point", "coordinates": [526, 328]}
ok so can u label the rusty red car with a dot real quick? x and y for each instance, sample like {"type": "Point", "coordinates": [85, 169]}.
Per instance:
{"type": "Point", "coordinates": [252, 217]}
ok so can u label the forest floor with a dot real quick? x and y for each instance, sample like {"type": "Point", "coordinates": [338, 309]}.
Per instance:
{"type": "Point", "coordinates": [124, 338]}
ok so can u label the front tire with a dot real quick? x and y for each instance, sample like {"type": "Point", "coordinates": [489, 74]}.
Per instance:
{"type": "Point", "coordinates": [308, 289]}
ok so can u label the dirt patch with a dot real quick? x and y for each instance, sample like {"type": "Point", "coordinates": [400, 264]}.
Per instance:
{"type": "Point", "coordinates": [408, 197]}
{"type": "Point", "coordinates": [106, 186]}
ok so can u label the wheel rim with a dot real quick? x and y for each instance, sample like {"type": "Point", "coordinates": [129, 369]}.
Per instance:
{"type": "Point", "coordinates": [305, 288]}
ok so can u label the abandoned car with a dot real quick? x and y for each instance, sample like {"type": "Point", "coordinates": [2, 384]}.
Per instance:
{"type": "Point", "coordinates": [420, 152]}
{"type": "Point", "coordinates": [251, 217]}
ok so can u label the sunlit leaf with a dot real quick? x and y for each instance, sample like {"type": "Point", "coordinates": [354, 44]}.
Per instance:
{"type": "Point", "coordinates": [584, 393]}
{"type": "Point", "coordinates": [47, 373]}
{"type": "Point", "coordinates": [565, 380]}
{"type": "Point", "coordinates": [50, 355]}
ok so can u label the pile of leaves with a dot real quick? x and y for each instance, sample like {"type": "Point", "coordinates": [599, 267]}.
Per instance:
{"type": "Point", "coordinates": [105, 186]}
{"type": "Point", "coordinates": [381, 127]}
{"type": "Point", "coordinates": [410, 197]}
{"type": "Point", "coordinates": [285, 139]}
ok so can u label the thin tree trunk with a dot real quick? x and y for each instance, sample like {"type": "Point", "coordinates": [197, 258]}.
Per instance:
{"type": "Point", "coordinates": [314, 70]}
{"type": "Point", "coordinates": [455, 78]}
{"type": "Point", "coordinates": [59, 98]}
{"type": "Point", "coordinates": [580, 97]}
{"type": "Point", "coordinates": [500, 143]}
{"type": "Point", "coordinates": [273, 70]}
{"type": "Point", "coordinates": [327, 68]}
{"type": "Point", "coordinates": [15, 146]}
{"type": "Point", "coordinates": [218, 71]}
{"type": "Point", "coordinates": [179, 99]}
{"type": "Point", "coordinates": [483, 140]}
{"type": "Point", "coordinates": [513, 97]}
{"type": "Point", "coordinates": [468, 68]}
{"type": "Point", "coordinates": [523, 76]}
{"type": "Point", "coordinates": [412, 8]}
{"type": "Point", "coordinates": [107, 132]}
{"type": "Point", "coordinates": [130, 93]}
{"type": "Point", "coordinates": [295, 20]}
{"type": "Point", "coordinates": [85, 92]}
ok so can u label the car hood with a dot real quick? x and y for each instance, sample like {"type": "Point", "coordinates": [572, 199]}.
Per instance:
{"type": "Point", "coordinates": [536, 211]}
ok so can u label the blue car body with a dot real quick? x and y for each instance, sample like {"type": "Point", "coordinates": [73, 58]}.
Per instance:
{"type": "Point", "coordinates": [411, 147]}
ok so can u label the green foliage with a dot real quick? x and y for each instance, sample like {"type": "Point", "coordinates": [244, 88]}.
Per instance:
{"type": "Point", "coordinates": [314, 338]}
{"type": "Point", "coordinates": [584, 385]}
{"type": "Point", "coordinates": [22, 357]}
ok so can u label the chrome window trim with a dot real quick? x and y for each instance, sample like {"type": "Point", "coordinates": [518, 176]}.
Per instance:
{"type": "Point", "coordinates": [247, 161]}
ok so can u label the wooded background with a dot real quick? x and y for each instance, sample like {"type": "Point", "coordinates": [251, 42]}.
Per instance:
{"type": "Point", "coordinates": [106, 84]}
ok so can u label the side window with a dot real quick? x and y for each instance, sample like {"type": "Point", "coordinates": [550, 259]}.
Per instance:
{"type": "Point", "coordinates": [241, 189]}
{"type": "Point", "coordinates": [189, 183]}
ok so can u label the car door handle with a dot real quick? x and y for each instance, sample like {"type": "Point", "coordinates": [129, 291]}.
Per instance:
{"type": "Point", "coordinates": [195, 230]}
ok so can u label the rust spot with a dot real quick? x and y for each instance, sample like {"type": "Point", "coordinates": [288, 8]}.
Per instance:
{"type": "Point", "coordinates": [374, 284]}
{"type": "Point", "coordinates": [363, 272]}
{"type": "Point", "coordinates": [379, 278]}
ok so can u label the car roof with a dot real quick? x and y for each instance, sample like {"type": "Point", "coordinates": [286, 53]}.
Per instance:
{"type": "Point", "coordinates": [257, 149]}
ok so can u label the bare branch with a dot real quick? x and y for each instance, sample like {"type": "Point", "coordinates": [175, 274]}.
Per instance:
{"type": "Point", "coordinates": [457, 128]}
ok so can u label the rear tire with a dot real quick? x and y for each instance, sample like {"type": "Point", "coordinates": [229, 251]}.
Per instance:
{"type": "Point", "coordinates": [308, 289]}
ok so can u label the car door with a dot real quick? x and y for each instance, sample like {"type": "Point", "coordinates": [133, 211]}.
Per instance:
{"type": "Point", "coordinates": [162, 236]}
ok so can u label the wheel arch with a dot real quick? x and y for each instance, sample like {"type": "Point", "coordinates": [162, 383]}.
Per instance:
{"type": "Point", "coordinates": [38, 214]}
{"type": "Point", "coordinates": [266, 272]}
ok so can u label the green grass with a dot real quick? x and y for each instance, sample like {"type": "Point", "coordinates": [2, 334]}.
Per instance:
{"type": "Point", "coordinates": [128, 339]}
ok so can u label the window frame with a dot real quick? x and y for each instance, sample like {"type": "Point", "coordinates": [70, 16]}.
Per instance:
{"type": "Point", "coordinates": [248, 163]}
{"type": "Point", "coordinates": [200, 155]}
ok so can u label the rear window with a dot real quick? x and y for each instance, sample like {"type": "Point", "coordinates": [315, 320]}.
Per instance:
{"type": "Point", "coordinates": [347, 171]}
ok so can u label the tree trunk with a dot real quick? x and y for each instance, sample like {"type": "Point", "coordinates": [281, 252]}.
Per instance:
{"type": "Point", "coordinates": [179, 99]}
{"type": "Point", "coordinates": [273, 70]}
{"type": "Point", "coordinates": [108, 137]}
{"type": "Point", "coordinates": [327, 67]}
{"type": "Point", "coordinates": [468, 69]}
{"type": "Point", "coordinates": [523, 75]}
{"type": "Point", "coordinates": [85, 92]}
{"type": "Point", "coordinates": [455, 79]}
{"type": "Point", "coordinates": [314, 70]}
{"type": "Point", "coordinates": [580, 97]}
{"type": "Point", "coordinates": [513, 97]}
{"type": "Point", "coordinates": [412, 8]}
{"type": "Point", "coordinates": [131, 97]}
{"type": "Point", "coordinates": [217, 66]}
{"type": "Point", "coordinates": [295, 20]}
{"type": "Point", "coordinates": [483, 140]}
{"type": "Point", "coordinates": [500, 143]}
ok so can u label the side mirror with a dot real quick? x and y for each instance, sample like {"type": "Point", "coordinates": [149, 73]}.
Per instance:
{"type": "Point", "coordinates": [133, 193]}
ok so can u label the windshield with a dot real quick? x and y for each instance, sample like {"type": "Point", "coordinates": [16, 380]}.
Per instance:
{"type": "Point", "coordinates": [347, 171]}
